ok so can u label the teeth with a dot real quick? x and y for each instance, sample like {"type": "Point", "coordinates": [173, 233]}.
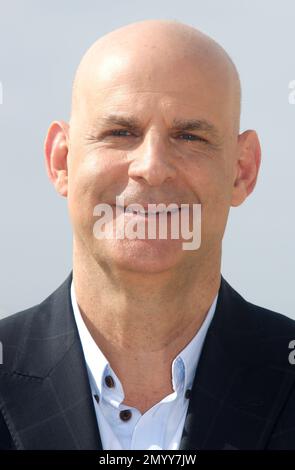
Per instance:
{"type": "Point", "coordinates": [133, 211]}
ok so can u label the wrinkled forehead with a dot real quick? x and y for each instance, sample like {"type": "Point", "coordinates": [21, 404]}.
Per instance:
{"type": "Point", "coordinates": [183, 79]}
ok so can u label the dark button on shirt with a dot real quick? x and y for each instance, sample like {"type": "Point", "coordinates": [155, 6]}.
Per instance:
{"type": "Point", "coordinates": [188, 393]}
{"type": "Point", "coordinates": [96, 398]}
{"type": "Point", "coordinates": [109, 381]}
{"type": "Point", "coordinates": [125, 415]}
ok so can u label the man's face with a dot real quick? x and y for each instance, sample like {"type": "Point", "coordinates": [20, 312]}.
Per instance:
{"type": "Point", "coordinates": [154, 157]}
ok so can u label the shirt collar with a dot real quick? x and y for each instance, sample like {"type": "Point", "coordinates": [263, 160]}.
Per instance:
{"type": "Point", "coordinates": [183, 366]}
{"type": "Point", "coordinates": [190, 355]}
{"type": "Point", "coordinates": [96, 362]}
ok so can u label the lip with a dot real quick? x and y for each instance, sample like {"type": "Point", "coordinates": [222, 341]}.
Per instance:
{"type": "Point", "coordinates": [146, 205]}
{"type": "Point", "coordinates": [135, 212]}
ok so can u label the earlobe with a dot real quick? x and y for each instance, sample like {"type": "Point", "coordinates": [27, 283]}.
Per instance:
{"type": "Point", "coordinates": [56, 153]}
{"type": "Point", "coordinates": [247, 169]}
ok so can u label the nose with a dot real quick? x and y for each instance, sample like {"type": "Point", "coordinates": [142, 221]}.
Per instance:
{"type": "Point", "coordinates": [151, 161]}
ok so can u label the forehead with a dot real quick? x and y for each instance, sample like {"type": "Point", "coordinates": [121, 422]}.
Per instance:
{"type": "Point", "coordinates": [176, 86]}
{"type": "Point", "coordinates": [158, 74]}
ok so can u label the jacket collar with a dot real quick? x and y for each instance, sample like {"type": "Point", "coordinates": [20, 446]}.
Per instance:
{"type": "Point", "coordinates": [44, 393]}
{"type": "Point", "coordinates": [242, 379]}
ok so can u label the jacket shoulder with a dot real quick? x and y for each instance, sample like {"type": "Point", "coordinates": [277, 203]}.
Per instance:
{"type": "Point", "coordinates": [30, 330]}
{"type": "Point", "coordinates": [271, 321]}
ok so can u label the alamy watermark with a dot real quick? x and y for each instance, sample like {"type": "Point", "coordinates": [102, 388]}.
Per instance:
{"type": "Point", "coordinates": [291, 96]}
{"type": "Point", "coordinates": [291, 357]}
{"type": "Point", "coordinates": [172, 221]}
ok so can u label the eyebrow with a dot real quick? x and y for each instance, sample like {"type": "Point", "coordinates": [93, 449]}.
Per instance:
{"type": "Point", "coordinates": [128, 121]}
{"type": "Point", "coordinates": [131, 122]}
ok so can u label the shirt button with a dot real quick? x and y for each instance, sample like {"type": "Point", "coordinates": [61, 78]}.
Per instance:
{"type": "Point", "coordinates": [96, 398]}
{"type": "Point", "coordinates": [125, 415]}
{"type": "Point", "coordinates": [188, 393]}
{"type": "Point", "coordinates": [109, 381]}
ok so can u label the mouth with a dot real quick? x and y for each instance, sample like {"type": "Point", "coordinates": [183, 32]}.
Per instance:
{"type": "Point", "coordinates": [146, 213]}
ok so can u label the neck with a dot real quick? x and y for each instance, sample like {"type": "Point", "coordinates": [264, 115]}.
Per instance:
{"type": "Point", "coordinates": [142, 321]}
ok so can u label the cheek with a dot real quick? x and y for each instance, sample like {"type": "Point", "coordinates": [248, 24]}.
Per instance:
{"type": "Point", "coordinates": [88, 175]}
{"type": "Point", "coordinates": [209, 178]}
{"type": "Point", "coordinates": [92, 179]}
{"type": "Point", "coordinates": [211, 183]}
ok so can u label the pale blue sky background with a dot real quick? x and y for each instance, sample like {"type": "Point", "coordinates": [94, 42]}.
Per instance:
{"type": "Point", "coordinates": [41, 44]}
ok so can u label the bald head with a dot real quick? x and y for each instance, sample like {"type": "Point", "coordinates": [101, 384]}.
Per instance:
{"type": "Point", "coordinates": [155, 47]}
{"type": "Point", "coordinates": [155, 118]}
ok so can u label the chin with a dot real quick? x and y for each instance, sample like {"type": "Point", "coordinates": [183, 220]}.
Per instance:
{"type": "Point", "coordinates": [144, 256]}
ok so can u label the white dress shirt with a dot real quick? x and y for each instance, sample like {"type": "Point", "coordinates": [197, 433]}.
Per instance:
{"type": "Point", "coordinates": [123, 427]}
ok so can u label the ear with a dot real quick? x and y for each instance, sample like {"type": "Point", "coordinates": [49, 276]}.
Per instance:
{"type": "Point", "coordinates": [247, 166]}
{"type": "Point", "coordinates": [56, 152]}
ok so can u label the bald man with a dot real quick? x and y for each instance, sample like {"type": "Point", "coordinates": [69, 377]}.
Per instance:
{"type": "Point", "coordinates": [145, 345]}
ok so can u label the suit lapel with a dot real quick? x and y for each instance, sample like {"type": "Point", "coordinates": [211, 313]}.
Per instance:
{"type": "Point", "coordinates": [47, 399]}
{"type": "Point", "coordinates": [237, 393]}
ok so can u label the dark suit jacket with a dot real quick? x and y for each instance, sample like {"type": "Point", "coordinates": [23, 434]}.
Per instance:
{"type": "Point", "coordinates": [243, 395]}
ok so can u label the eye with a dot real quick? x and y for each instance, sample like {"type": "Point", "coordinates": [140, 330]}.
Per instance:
{"type": "Point", "coordinates": [192, 137]}
{"type": "Point", "coordinates": [119, 133]}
